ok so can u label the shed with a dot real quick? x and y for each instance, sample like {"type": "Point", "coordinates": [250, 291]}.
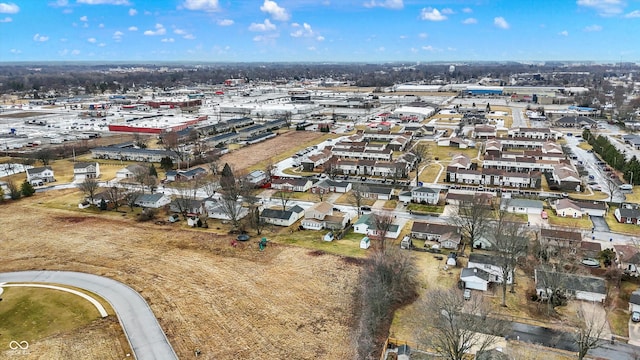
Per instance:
{"type": "Point", "coordinates": [328, 236]}
{"type": "Point", "coordinates": [365, 243]}
{"type": "Point", "coordinates": [452, 259]}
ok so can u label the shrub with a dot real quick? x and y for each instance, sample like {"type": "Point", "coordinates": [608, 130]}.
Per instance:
{"type": "Point", "coordinates": [147, 215]}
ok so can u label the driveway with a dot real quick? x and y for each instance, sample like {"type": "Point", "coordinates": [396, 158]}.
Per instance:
{"type": "Point", "coordinates": [634, 333]}
{"type": "Point", "coordinates": [600, 223]}
{"type": "Point", "coordinates": [147, 340]}
{"type": "Point", "coordinates": [536, 221]}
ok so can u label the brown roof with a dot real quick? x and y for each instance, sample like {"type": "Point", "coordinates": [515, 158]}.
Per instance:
{"type": "Point", "coordinates": [560, 234]}
{"type": "Point", "coordinates": [590, 246]}
{"type": "Point", "coordinates": [432, 228]}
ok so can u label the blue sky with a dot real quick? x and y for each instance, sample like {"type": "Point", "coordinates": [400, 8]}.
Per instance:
{"type": "Point", "coordinates": [319, 30]}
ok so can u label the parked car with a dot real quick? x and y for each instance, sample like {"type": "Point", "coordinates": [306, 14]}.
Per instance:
{"type": "Point", "coordinates": [467, 295]}
{"type": "Point", "coordinates": [544, 215]}
{"type": "Point", "coordinates": [635, 317]}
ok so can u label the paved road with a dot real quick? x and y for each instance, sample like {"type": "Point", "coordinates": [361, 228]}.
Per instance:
{"type": "Point", "coordinates": [141, 327]}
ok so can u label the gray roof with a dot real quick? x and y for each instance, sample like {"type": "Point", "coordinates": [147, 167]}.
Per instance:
{"type": "Point", "coordinates": [630, 213]}
{"type": "Point", "coordinates": [469, 272]}
{"type": "Point", "coordinates": [426, 190]}
{"type": "Point", "coordinates": [280, 214]}
{"type": "Point", "coordinates": [572, 281]}
{"type": "Point", "coordinates": [484, 259]}
{"type": "Point", "coordinates": [635, 297]}
{"type": "Point", "coordinates": [149, 198]}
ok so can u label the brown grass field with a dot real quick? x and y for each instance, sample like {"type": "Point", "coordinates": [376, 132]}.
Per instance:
{"type": "Point", "coordinates": [231, 303]}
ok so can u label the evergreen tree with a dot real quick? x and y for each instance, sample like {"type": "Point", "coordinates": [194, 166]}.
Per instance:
{"type": "Point", "coordinates": [103, 205]}
{"type": "Point", "coordinates": [227, 180]}
{"type": "Point", "coordinates": [153, 171]}
{"type": "Point", "coordinates": [27, 189]}
{"type": "Point", "coordinates": [166, 163]}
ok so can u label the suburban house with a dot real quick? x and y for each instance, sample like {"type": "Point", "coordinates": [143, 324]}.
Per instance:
{"type": "Point", "coordinates": [475, 278]}
{"type": "Point", "coordinates": [321, 216]}
{"type": "Point", "coordinates": [459, 198]}
{"type": "Point", "coordinates": [521, 206]}
{"type": "Point", "coordinates": [592, 208]}
{"type": "Point", "coordinates": [634, 301]}
{"type": "Point", "coordinates": [327, 185]}
{"type": "Point", "coordinates": [257, 177]}
{"type": "Point", "coordinates": [560, 238]}
{"type": "Point", "coordinates": [490, 264]}
{"type": "Point", "coordinates": [431, 231]}
{"type": "Point", "coordinates": [567, 208]}
{"type": "Point", "coordinates": [580, 287]}
{"type": "Point", "coordinates": [186, 206]}
{"type": "Point", "coordinates": [295, 184]}
{"type": "Point", "coordinates": [628, 258]}
{"type": "Point", "coordinates": [425, 195]}
{"type": "Point", "coordinates": [216, 210]}
{"type": "Point", "coordinates": [131, 171]}
{"type": "Point", "coordinates": [185, 175]}
{"type": "Point", "coordinates": [84, 170]}
{"type": "Point", "coordinates": [282, 217]}
{"type": "Point", "coordinates": [366, 225]}
{"type": "Point", "coordinates": [378, 193]}
{"type": "Point", "coordinates": [627, 216]}
{"type": "Point", "coordinates": [152, 200]}
{"type": "Point", "coordinates": [40, 175]}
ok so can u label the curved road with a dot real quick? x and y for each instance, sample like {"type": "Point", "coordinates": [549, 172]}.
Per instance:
{"type": "Point", "coordinates": [141, 327]}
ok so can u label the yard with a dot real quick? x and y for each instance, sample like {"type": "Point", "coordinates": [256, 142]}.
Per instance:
{"type": "Point", "coordinates": [634, 196]}
{"type": "Point", "coordinates": [230, 302]}
{"type": "Point", "coordinates": [615, 226]}
{"type": "Point", "coordinates": [577, 223]}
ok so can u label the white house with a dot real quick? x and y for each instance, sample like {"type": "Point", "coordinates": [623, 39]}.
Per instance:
{"type": "Point", "coordinates": [321, 216]}
{"type": "Point", "coordinates": [520, 206]}
{"type": "Point", "coordinates": [217, 210]}
{"type": "Point", "coordinates": [490, 264]}
{"type": "Point", "coordinates": [40, 175]}
{"type": "Point", "coordinates": [282, 217]}
{"type": "Point", "coordinates": [634, 301]}
{"type": "Point", "coordinates": [130, 171]}
{"type": "Point", "coordinates": [365, 243]}
{"type": "Point", "coordinates": [83, 170]}
{"type": "Point", "coordinates": [425, 195]}
{"type": "Point", "coordinates": [474, 278]}
{"type": "Point", "coordinates": [152, 200]}
{"type": "Point", "coordinates": [366, 225]}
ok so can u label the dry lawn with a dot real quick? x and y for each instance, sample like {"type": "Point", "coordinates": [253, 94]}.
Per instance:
{"type": "Point", "coordinates": [231, 303]}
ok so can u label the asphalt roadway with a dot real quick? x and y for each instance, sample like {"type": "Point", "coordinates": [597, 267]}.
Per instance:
{"type": "Point", "coordinates": [147, 340]}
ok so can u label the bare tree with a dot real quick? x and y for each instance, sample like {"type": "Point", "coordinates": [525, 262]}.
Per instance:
{"type": "Point", "coordinates": [115, 194]}
{"type": "Point", "coordinates": [131, 197]}
{"type": "Point", "coordinates": [452, 326]}
{"type": "Point", "coordinates": [14, 190]}
{"type": "Point", "coordinates": [186, 193]}
{"type": "Point", "coordinates": [422, 152]}
{"type": "Point", "coordinates": [382, 222]}
{"type": "Point", "coordinates": [89, 187]}
{"type": "Point", "coordinates": [45, 156]}
{"type": "Point", "coordinates": [321, 193]}
{"type": "Point", "coordinates": [140, 140]}
{"type": "Point", "coordinates": [210, 185]}
{"type": "Point", "coordinates": [473, 217]}
{"type": "Point", "coordinates": [510, 240]}
{"type": "Point", "coordinates": [589, 328]}
{"type": "Point", "coordinates": [284, 196]}
{"type": "Point", "coordinates": [140, 175]}
{"type": "Point", "coordinates": [358, 193]}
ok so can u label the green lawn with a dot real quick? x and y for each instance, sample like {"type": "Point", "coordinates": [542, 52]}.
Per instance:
{"type": "Point", "coordinates": [597, 195]}
{"type": "Point", "coordinates": [444, 153]}
{"type": "Point", "coordinates": [584, 145]}
{"type": "Point", "coordinates": [425, 208]}
{"type": "Point", "coordinates": [633, 196]}
{"type": "Point", "coordinates": [30, 314]}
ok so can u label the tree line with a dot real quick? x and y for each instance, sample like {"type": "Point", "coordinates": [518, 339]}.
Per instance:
{"type": "Point", "coordinates": [612, 156]}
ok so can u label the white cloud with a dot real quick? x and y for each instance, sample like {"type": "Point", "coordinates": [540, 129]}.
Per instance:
{"type": "Point", "coordinates": [604, 7]}
{"type": "Point", "coordinates": [40, 38]}
{"type": "Point", "coordinates": [167, 40]}
{"type": "Point", "coordinates": [101, 26]}
{"type": "Point", "coordinates": [469, 21]}
{"type": "Point", "coordinates": [389, 4]}
{"type": "Point", "coordinates": [204, 5]}
{"type": "Point", "coordinates": [102, 45]}
{"type": "Point", "coordinates": [320, 38]}
{"type": "Point", "coordinates": [265, 37]}
{"type": "Point", "coordinates": [403, 37]}
{"type": "Point", "coordinates": [633, 14]}
{"type": "Point", "coordinates": [118, 35]}
{"type": "Point", "coordinates": [104, 2]}
{"type": "Point", "coordinates": [272, 8]}
{"type": "Point", "coordinates": [6, 20]}
{"type": "Point", "coordinates": [85, 25]}
{"type": "Point", "coordinates": [15, 51]}
{"type": "Point", "coordinates": [63, 52]}
{"type": "Point", "coordinates": [447, 11]}
{"type": "Point", "coordinates": [9, 8]}
{"type": "Point", "coordinates": [423, 35]}
{"type": "Point", "coordinates": [133, 12]}
{"type": "Point", "coordinates": [467, 10]}
{"type": "Point", "coordinates": [428, 48]}
{"type": "Point", "coordinates": [133, 28]}
{"type": "Point", "coordinates": [500, 22]}
{"type": "Point", "coordinates": [189, 37]}
{"type": "Point", "coordinates": [303, 30]}
{"type": "Point", "coordinates": [225, 22]}
{"type": "Point", "coordinates": [179, 32]}
{"type": "Point", "coordinates": [432, 14]}
{"type": "Point", "coordinates": [84, 18]}
{"type": "Point", "coordinates": [266, 26]}
{"type": "Point", "coordinates": [381, 49]}
{"type": "Point", "coordinates": [75, 52]}
{"type": "Point", "coordinates": [160, 30]}
{"type": "Point", "coordinates": [311, 48]}
{"type": "Point", "coordinates": [92, 40]}
{"type": "Point", "coordinates": [564, 33]}
{"type": "Point", "coordinates": [593, 28]}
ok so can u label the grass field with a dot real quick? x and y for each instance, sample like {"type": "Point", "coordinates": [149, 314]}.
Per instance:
{"type": "Point", "coordinates": [31, 314]}
{"type": "Point", "coordinates": [597, 195]}
{"type": "Point", "coordinates": [615, 226]}
{"type": "Point", "coordinates": [580, 223]}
